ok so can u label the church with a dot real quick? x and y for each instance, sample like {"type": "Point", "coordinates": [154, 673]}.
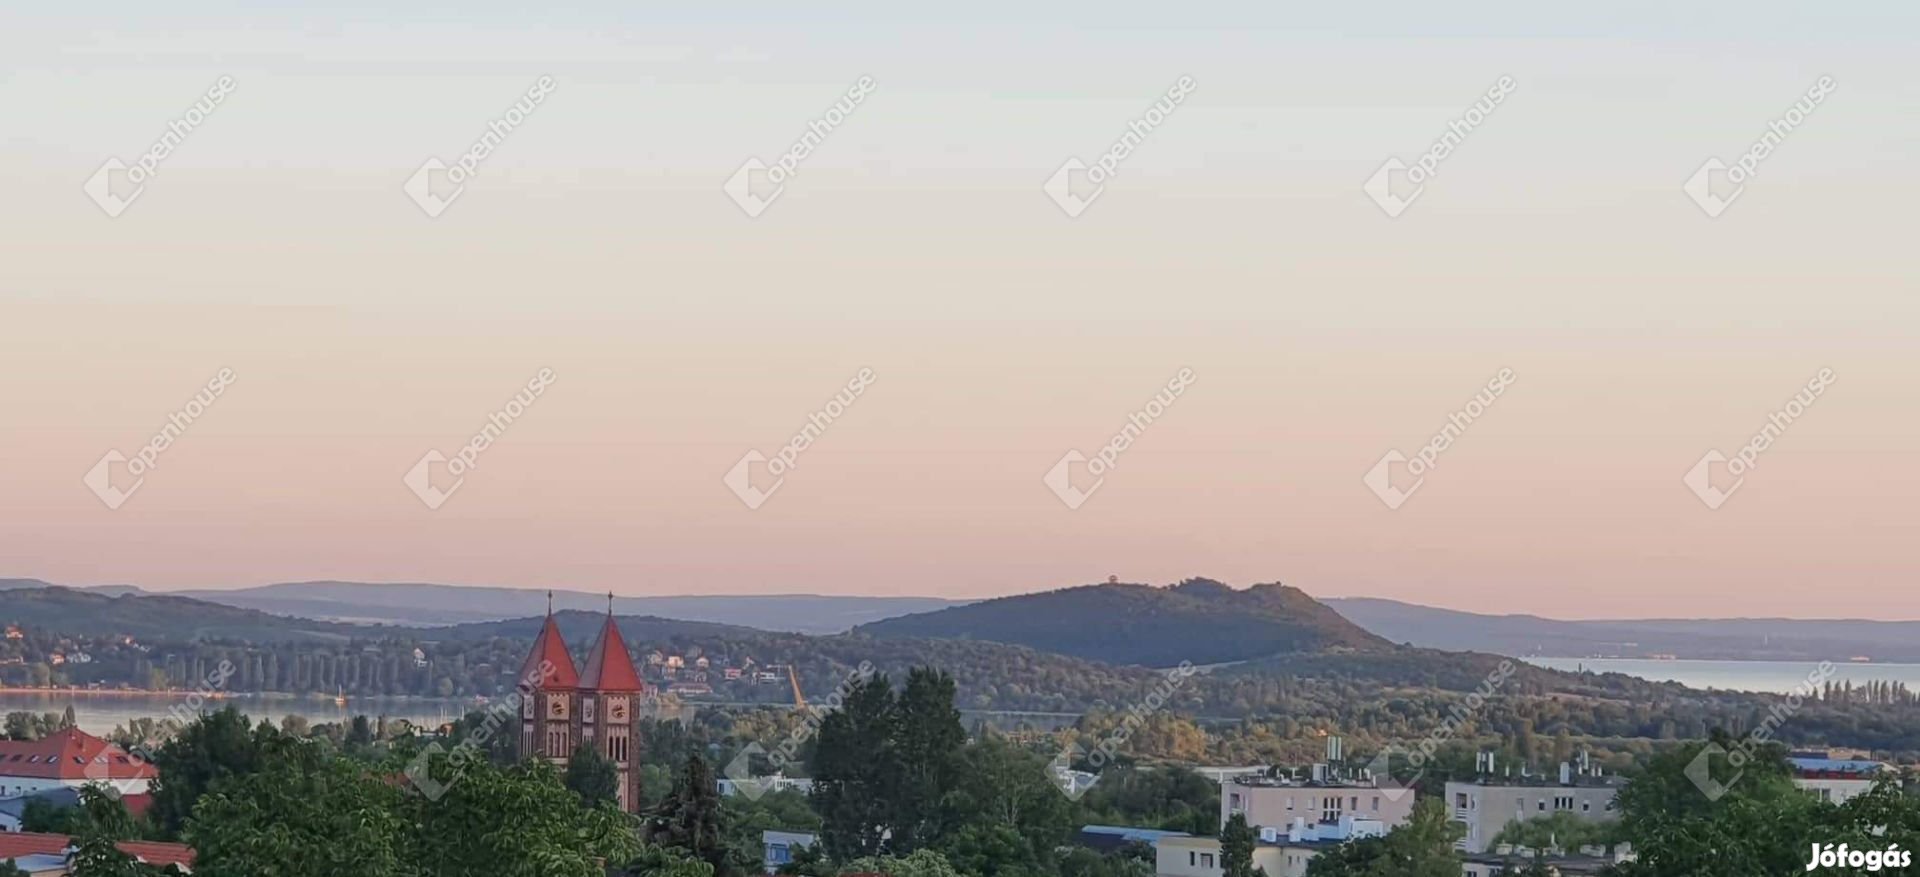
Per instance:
{"type": "Point", "coordinates": [595, 706]}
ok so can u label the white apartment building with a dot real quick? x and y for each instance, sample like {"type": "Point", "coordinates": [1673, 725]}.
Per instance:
{"type": "Point", "coordinates": [1489, 805]}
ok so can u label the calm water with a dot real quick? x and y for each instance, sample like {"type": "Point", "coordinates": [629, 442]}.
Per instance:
{"type": "Point", "coordinates": [99, 713]}
{"type": "Point", "coordinates": [1776, 676]}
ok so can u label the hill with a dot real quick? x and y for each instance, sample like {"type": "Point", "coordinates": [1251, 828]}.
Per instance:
{"type": "Point", "coordinates": [427, 604]}
{"type": "Point", "coordinates": [93, 613]}
{"type": "Point", "coordinates": [1199, 620]}
{"type": "Point", "coordinates": [1773, 639]}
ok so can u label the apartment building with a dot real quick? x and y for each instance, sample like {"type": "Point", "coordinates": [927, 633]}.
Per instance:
{"type": "Point", "coordinates": [1490, 804]}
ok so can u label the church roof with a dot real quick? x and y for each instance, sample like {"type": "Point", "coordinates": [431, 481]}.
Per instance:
{"type": "Point", "coordinates": [609, 667]}
{"type": "Point", "coordinates": [548, 666]}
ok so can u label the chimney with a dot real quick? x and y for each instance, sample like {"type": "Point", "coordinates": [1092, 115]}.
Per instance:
{"type": "Point", "coordinates": [1333, 749]}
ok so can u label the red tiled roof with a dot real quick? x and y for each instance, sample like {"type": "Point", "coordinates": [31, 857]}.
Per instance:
{"type": "Point", "coordinates": [548, 666]}
{"type": "Point", "coordinates": [21, 845]}
{"type": "Point", "coordinates": [137, 805]}
{"type": "Point", "coordinates": [70, 754]}
{"type": "Point", "coordinates": [609, 667]}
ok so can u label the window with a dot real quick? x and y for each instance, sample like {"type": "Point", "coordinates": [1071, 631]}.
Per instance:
{"type": "Point", "coordinates": [1543, 805]}
{"type": "Point", "coordinates": [1376, 803]}
{"type": "Point", "coordinates": [1586, 806]}
{"type": "Point", "coordinates": [1289, 803]}
{"type": "Point", "coordinates": [1192, 858]}
{"type": "Point", "coordinates": [1206, 860]}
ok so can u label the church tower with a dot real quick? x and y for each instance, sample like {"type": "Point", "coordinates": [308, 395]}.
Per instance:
{"type": "Point", "coordinates": [610, 691]}
{"type": "Point", "coordinates": [548, 715]}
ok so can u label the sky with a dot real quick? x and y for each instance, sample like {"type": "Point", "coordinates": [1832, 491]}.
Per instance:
{"type": "Point", "coordinates": [994, 330]}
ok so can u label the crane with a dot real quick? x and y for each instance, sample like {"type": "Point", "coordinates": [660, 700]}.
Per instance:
{"type": "Point", "coordinates": [799, 700]}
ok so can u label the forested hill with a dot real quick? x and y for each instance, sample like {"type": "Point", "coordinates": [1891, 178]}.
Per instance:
{"type": "Point", "coordinates": [1199, 620]}
{"type": "Point", "coordinates": [94, 613]}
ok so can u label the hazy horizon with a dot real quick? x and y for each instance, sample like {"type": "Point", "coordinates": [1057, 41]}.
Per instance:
{"type": "Point", "coordinates": [342, 332]}
{"type": "Point", "coordinates": [534, 592]}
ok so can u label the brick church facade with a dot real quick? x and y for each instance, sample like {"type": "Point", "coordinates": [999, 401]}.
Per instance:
{"type": "Point", "coordinates": [596, 704]}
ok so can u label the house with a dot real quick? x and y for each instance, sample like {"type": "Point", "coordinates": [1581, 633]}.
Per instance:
{"type": "Point", "coordinates": [46, 855]}
{"type": "Point", "coordinates": [731, 673]}
{"type": "Point", "coordinates": [69, 758]}
{"type": "Point", "coordinates": [1488, 805]}
{"type": "Point", "coordinates": [778, 847]}
{"type": "Point", "coordinates": [1834, 780]}
{"type": "Point", "coordinates": [13, 632]}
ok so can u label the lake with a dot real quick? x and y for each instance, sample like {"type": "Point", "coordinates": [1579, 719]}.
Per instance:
{"type": "Point", "coordinates": [100, 712]}
{"type": "Point", "coordinates": [1775, 676]}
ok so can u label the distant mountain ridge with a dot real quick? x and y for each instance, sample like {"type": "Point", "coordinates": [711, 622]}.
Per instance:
{"type": "Point", "coordinates": [1752, 639]}
{"type": "Point", "coordinates": [418, 604]}
{"type": "Point", "coordinates": [1201, 621]}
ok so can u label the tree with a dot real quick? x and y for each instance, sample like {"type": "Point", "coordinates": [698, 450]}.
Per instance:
{"type": "Point", "coordinates": [690, 819]}
{"type": "Point", "coordinates": [516, 822]}
{"type": "Point", "coordinates": [591, 776]}
{"type": "Point", "coordinates": [1237, 840]}
{"type": "Point", "coordinates": [212, 748]}
{"type": "Point", "coordinates": [1755, 821]}
{"type": "Point", "coordinates": [922, 863]}
{"type": "Point", "coordinates": [927, 737]}
{"type": "Point", "coordinates": [1422, 847]}
{"type": "Point", "coordinates": [856, 771]}
{"type": "Point", "coordinates": [1564, 829]}
{"type": "Point", "coordinates": [1004, 815]}
{"type": "Point", "coordinates": [303, 815]}
{"type": "Point", "coordinates": [10, 868]}
{"type": "Point", "coordinates": [661, 861]}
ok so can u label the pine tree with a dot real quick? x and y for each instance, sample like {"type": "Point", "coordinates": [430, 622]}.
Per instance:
{"type": "Point", "coordinates": [690, 818]}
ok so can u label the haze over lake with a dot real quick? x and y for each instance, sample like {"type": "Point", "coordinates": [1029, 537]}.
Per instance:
{"type": "Point", "coordinates": [1775, 676]}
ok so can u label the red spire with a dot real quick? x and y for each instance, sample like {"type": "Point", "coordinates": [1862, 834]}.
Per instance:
{"type": "Point", "coordinates": [548, 666]}
{"type": "Point", "coordinates": [609, 667]}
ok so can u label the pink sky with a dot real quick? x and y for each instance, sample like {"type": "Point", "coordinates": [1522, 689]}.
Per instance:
{"type": "Point", "coordinates": [1237, 242]}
